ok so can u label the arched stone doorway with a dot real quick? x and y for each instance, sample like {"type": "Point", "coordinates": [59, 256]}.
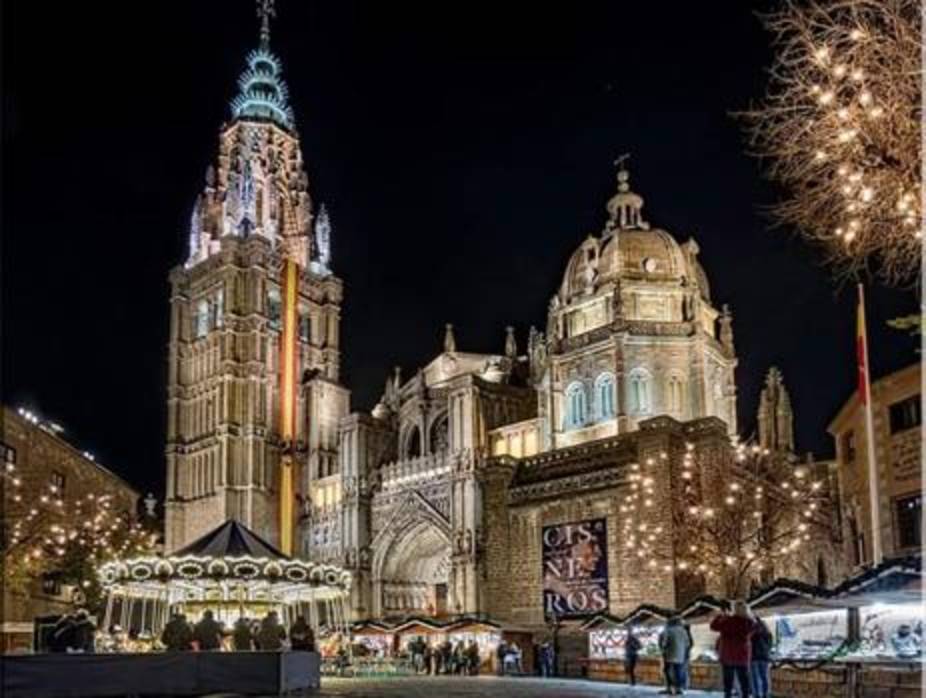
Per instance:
{"type": "Point", "coordinates": [411, 571]}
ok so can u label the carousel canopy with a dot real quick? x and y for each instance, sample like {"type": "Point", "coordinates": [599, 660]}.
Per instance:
{"type": "Point", "coordinates": [229, 554]}
{"type": "Point", "coordinates": [231, 539]}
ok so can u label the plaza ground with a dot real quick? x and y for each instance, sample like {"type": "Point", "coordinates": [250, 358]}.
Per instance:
{"type": "Point", "coordinates": [484, 687]}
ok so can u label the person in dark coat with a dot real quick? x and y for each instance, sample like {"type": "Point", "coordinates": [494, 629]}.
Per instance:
{"type": "Point", "coordinates": [208, 633]}
{"type": "Point", "coordinates": [472, 658]}
{"type": "Point", "coordinates": [500, 653]}
{"type": "Point", "coordinates": [84, 638]}
{"type": "Point", "coordinates": [759, 661]}
{"type": "Point", "coordinates": [62, 634]}
{"type": "Point", "coordinates": [735, 647]}
{"type": "Point", "coordinates": [242, 635]}
{"type": "Point", "coordinates": [632, 646]}
{"type": "Point", "coordinates": [301, 637]}
{"type": "Point", "coordinates": [271, 634]}
{"type": "Point", "coordinates": [177, 635]}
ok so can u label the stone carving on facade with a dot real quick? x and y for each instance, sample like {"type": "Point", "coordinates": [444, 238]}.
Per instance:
{"type": "Point", "coordinates": [726, 328]}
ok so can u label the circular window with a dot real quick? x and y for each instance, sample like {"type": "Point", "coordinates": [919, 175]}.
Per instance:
{"type": "Point", "coordinates": [650, 265]}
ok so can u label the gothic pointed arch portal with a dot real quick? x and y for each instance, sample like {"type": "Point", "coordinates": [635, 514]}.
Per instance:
{"type": "Point", "coordinates": [411, 566]}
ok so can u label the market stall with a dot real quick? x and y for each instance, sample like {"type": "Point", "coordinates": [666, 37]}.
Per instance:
{"type": "Point", "coordinates": [486, 634]}
{"type": "Point", "coordinates": [230, 571]}
{"type": "Point", "coordinates": [607, 636]}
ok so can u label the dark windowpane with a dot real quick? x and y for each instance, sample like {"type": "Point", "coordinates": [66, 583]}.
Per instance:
{"type": "Point", "coordinates": [848, 446]}
{"type": "Point", "coordinates": [906, 414]}
{"type": "Point", "coordinates": [909, 517]}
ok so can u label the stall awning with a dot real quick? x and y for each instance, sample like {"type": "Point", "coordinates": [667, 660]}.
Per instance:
{"type": "Point", "coordinates": [899, 580]}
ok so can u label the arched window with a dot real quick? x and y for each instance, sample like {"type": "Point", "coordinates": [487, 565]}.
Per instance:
{"type": "Point", "coordinates": [202, 319]}
{"type": "Point", "coordinates": [675, 395]}
{"type": "Point", "coordinates": [640, 393]}
{"type": "Point", "coordinates": [274, 308]}
{"type": "Point", "coordinates": [413, 443]}
{"type": "Point", "coordinates": [604, 396]}
{"type": "Point", "coordinates": [305, 324]}
{"type": "Point", "coordinates": [576, 406]}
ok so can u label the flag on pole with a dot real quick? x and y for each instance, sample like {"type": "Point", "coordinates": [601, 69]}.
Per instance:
{"type": "Point", "coordinates": [861, 348]}
{"type": "Point", "coordinates": [864, 394]}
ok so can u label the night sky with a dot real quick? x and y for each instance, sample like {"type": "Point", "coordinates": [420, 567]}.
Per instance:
{"type": "Point", "coordinates": [463, 151]}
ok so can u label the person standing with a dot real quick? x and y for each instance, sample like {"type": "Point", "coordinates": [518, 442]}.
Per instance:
{"type": "Point", "coordinates": [500, 653]}
{"type": "Point", "coordinates": [735, 647]}
{"type": "Point", "coordinates": [673, 641]}
{"type": "Point", "coordinates": [271, 634]}
{"type": "Point", "coordinates": [242, 636]}
{"type": "Point", "coordinates": [208, 633]}
{"type": "Point", "coordinates": [301, 637]}
{"type": "Point", "coordinates": [632, 648]}
{"type": "Point", "coordinates": [760, 659]}
{"type": "Point", "coordinates": [177, 635]}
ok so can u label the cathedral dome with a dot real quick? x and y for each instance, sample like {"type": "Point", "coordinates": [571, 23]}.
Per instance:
{"type": "Point", "coordinates": [630, 250]}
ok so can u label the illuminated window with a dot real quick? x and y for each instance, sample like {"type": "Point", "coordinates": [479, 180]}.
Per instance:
{"type": "Point", "coordinates": [274, 308]}
{"type": "Point", "coordinates": [909, 514]}
{"type": "Point", "coordinates": [202, 319]}
{"type": "Point", "coordinates": [604, 396]}
{"type": "Point", "coordinates": [305, 324]}
{"type": "Point", "coordinates": [905, 414]}
{"type": "Point", "coordinates": [8, 453]}
{"type": "Point", "coordinates": [218, 309]}
{"type": "Point", "coordinates": [576, 406]}
{"type": "Point", "coordinates": [640, 402]}
{"type": "Point", "coordinates": [57, 481]}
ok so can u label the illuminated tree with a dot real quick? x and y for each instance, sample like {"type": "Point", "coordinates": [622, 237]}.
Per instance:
{"type": "Point", "coordinates": [65, 538]}
{"type": "Point", "coordinates": [732, 523]}
{"type": "Point", "coordinates": [840, 130]}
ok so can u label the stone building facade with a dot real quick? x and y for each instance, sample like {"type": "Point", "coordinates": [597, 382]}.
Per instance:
{"type": "Point", "coordinates": [43, 458]}
{"type": "Point", "coordinates": [436, 500]}
{"type": "Point", "coordinates": [897, 419]}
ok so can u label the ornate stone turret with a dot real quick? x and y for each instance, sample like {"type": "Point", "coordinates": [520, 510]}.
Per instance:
{"type": "Point", "coordinates": [511, 344]}
{"type": "Point", "coordinates": [775, 417]}
{"type": "Point", "coordinates": [450, 342]}
{"type": "Point", "coordinates": [625, 209]}
{"type": "Point", "coordinates": [726, 329]}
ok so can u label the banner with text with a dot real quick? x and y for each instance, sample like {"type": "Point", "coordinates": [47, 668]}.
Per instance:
{"type": "Point", "coordinates": [575, 569]}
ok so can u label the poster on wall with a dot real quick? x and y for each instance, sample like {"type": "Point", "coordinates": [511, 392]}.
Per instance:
{"type": "Point", "coordinates": [575, 569]}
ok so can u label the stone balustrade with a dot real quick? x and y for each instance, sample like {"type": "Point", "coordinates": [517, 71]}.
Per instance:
{"type": "Point", "coordinates": [403, 473]}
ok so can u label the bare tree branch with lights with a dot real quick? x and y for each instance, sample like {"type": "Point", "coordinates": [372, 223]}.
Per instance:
{"type": "Point", "coordinates": [732, 525]}
{"type": "Point", "coordinates": [67, 538]}
{"type": "Point", "coordinates": [840, 130]}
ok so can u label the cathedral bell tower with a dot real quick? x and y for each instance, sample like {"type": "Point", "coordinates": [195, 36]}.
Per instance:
{"type": "Point", "coordinates": [253, 360]}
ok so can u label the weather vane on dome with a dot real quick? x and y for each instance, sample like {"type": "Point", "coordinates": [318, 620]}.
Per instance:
{"type": "Point", "coordinates": [265, 11]}
{"type": "Point", "coordinates": [622, 174]}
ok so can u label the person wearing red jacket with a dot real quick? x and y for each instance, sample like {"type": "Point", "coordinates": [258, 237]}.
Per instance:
{"type": "Point", "coordinates": [734, 647]}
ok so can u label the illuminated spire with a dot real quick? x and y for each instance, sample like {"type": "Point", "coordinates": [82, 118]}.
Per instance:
{"type": "Point", "coordinates": [625, 209]}
{"type": "Point", "coordinates": [262, 92]}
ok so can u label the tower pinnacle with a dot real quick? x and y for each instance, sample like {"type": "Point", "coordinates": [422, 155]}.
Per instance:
{"type": "Point", "coordinates": [265, 12]}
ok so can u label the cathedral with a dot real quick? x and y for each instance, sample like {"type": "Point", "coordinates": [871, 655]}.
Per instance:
{"type": "Point", "coordinates": [455, 492]}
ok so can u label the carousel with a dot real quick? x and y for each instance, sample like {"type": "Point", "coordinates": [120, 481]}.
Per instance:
{"type": "Point", "coordinates": [230, 571]}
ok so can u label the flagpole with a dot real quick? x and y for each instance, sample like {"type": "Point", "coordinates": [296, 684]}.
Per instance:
{"type": "Point", "coordinates": [865, 394]}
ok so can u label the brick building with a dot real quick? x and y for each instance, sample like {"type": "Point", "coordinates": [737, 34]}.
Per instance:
{"type": "Point", "coordinates": [42, 457]}
{"type": "Point", "coordinates": [897, 419]}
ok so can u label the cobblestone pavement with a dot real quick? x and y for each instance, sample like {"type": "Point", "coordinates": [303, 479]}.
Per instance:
{"type": "Point", "coordinates": [485, 687]}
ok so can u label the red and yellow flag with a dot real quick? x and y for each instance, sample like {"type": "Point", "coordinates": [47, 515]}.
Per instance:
{"type": "Point", "coordinates": [861, 348]}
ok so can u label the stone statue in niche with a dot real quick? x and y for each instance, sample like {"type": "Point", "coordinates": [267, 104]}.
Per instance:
{"type": "Point", "coordinates": [440, 436]}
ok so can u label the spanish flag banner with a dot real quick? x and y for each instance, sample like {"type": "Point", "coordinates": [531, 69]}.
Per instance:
{"type": "Point", "coordinates": [864, 394]}
{"type": "Point", "coordinates": [861, 348]}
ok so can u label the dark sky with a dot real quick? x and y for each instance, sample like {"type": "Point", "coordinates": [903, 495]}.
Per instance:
{"type": "Point", "coordinates": [464, 151]}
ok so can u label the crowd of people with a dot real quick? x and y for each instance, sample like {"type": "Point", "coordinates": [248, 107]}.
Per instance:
{"type": "Point", "coordinates": [208, 635]}
{"type": "Point", "coordinates": [744, 646]}
{"type": "Point", "coordinates": [460, 659]}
